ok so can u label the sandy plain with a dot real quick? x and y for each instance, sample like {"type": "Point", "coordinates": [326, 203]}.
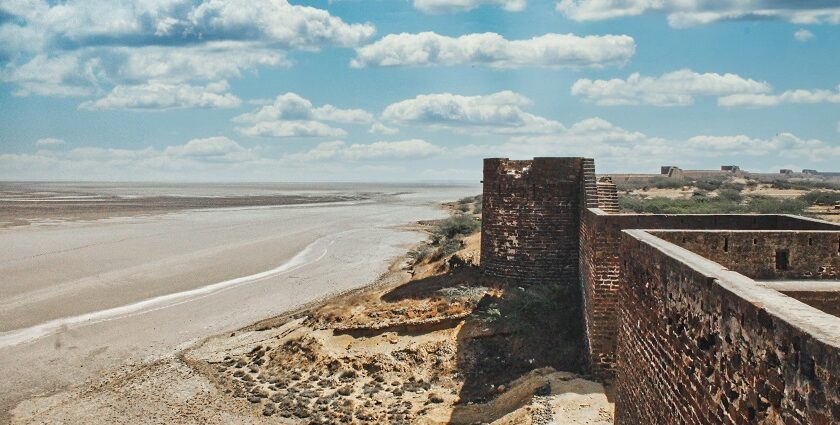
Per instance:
{"type": "Point", "coordinates": [81, 295]}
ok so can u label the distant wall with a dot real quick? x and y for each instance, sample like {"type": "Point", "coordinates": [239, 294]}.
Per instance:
{"type": "Point", "coordinates": [699, 344]}
{"type": "Point", "coordinates": [825, 301]}
{"type": "Point", "coordinates": [789, 254]}
{"type": "Point", "coordinates": [600, 237]}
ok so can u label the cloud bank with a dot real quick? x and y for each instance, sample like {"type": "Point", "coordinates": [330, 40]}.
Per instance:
{"type": "Point", "coordinates": [449, 6]}
{"type": "Point", "coordinates": [683, 13]}
{"type": "Point", "coordinates": [678, 88]}
{"type": "Point", "coordinates": [87, 47]}
{"type": "Point", "coordinates": [493, 50]}
{"type": "Point", "coordinates": [158, 96]}
{"type": "Point", "coordinates": [499, 113]}
{"type": "Point", "coordinates": [291, 115]}
{"type": "Point", "coordinates": [788, 97]}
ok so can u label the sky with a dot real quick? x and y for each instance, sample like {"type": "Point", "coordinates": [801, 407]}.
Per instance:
{"type": "Point", "coordinates": [412, 90]}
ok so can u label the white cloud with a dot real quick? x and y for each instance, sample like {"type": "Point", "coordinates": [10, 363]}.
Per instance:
{"type": "Point", "coordinates": [379, 128]}
{"type": "Point", "coordinates": [157, 96]}
{"type": "Point", "coordinates": [276, 21]}
{"type": "Point", "coordinates": [219, 158]}
{"type": "Point", "coordinates": [445, 6]}
{"type": "Point", "coordinates": [803, 35]}
{"type": "Point", "coordinates": [62, 75]}
{"type": "Point", "coordinates": [49, 141]}
{"type": "Point", "coordinates": [495, 113]}
{"type": "Point", "coordinates": [88, 71]}
{"type": "Point", "coordinates": [292, 106]}
{"type": "Point", "coordinates": [218, 148]}
{"type": "Point", "coordinates": [297, 128]}
{"type": "Point", "coordinates": [491, 49]}
{"type": "Point", "coordinates": [682, 13]}
{"type": "Point", "coordinates": [350, 116]}
{"type": "Point", "coordinates": [787, 97]}
{"type": "Point", "coordinates": [82, 23]}
{"type": "Point", "coordinates": [678, 88]}
{"type": "Point", "coordinates": [621, 150]}
{"type": "Point", "coordinates": [84, 47]}
{"type": "Point", "coordinates": [338, 150]}
{"type": "Point", "coordinates": [291, 115]}
{"type": "Point", "coordinates": [206, 62]}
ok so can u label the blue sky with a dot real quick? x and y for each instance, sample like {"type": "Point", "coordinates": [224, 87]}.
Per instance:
{"type": "Point", "coordinates": [388, 90]}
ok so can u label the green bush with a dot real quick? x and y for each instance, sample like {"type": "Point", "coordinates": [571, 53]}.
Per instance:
{"type": "Point", "coordinates": [764, 205]}
{"type": "Point", "coordinates": [738, 187]}
{"type": "Point", "coordinates": [804, 184]}
{"type": "Point", "coordinates": [781, 184]}
{"type": "Point", "coordinates": [451, 247]}
{"type": "Point", "coordinates": [821, 197]}
{"type": "Point", "coordinates": [645, 184]}
{"type": "Point", "coordinates": [667, 183]}
{"type": "Point", "coordinates": [458, 225]}
{"type": "Point", "coordinates": [702, 205]}
{"type": "Point", "coordinates": [421, 253]}
{"type": "Point", "coordinates": [729, 195]}
{"type": "Point", "coordinates": [709, 183]}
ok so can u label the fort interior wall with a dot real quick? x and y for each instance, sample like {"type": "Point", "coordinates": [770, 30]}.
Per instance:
{"type": "Point", "coordinates": [767, 255]}
{"type": "Point", "coordinates": [600, 238]}
{"type": "Point", "coordinates": [701, 344]}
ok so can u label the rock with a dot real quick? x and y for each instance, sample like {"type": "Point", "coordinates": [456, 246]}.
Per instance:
{"type": "Point", "coordinates": [269, 409]}
{"type": "Point", "coordinates": [347, 375]}
{"type": "Point", "coordinates": [363, 414]}
{"type": "Point", "coordinates": [543, 390]}
{"type": "Point", "coordinates": [345, 390]}
{"type": "Point", "coordinates": [309, 394]}
{"type": "Point", "coordinates": [254, 399]}
{"type": "Point", "coordinates": [435, 398]}
{"type": "Point", "coordinates": [301, 412]}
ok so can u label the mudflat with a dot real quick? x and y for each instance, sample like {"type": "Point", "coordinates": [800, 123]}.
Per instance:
{"type": "Point", "coordinates": [81, 295]}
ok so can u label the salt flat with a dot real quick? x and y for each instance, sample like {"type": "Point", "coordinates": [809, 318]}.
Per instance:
{"type": "Point", "coordinates": [78, 297]}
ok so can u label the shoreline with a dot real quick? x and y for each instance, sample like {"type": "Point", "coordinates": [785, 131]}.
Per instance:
{"type": "Point", "coordinates": [78, 356]}
{"type": "Point", "coordinates": [390, 276]}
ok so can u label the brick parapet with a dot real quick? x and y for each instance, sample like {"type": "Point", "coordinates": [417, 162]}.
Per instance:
{"type": "Point", "coordinates": [600, 261]}
{"type": "Point", "coordinates": [701, 344]}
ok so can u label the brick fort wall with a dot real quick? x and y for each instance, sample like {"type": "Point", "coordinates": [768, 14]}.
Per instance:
{"type": "Point", "coordinates": [700, 344]}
